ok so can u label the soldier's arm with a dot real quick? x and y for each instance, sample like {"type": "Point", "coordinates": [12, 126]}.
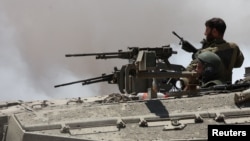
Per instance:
{"type": "Point", "coordinates": [239, 56]}
{"type": "Point", "coordinates": [239, 60]}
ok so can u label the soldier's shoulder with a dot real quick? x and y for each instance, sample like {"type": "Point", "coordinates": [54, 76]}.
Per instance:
{"type": "Point", "coordinates": [233, 44]}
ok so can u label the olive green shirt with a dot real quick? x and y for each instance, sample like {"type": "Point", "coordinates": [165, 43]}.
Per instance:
{"type": "Point", "coordinates": [229, 53]}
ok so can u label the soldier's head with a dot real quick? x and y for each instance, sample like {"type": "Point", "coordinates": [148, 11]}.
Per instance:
{"type": "Point", "coordinates": [209, 65]}
{"type": "Point", "coordinates": [215, 29]}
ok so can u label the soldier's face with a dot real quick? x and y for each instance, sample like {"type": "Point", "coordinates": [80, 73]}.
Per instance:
{"type": "Point", "coordinates": [199, 67]}
{"type": "Point", "coordinates": [209, 34]}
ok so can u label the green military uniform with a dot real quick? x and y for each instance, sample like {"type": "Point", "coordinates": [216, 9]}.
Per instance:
{"type": "Point", "coordinates": [229, 53]}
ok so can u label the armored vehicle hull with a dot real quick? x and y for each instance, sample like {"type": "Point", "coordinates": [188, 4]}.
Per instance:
{"type": "Point", "coordinates": [169, 118]}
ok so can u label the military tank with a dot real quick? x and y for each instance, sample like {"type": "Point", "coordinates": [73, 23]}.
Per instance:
{"type": "Point", "coordinates": [149, 107]}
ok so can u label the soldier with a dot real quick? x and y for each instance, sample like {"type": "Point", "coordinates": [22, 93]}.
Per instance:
{"type": "Point", "coordinates": [229, 53]}
{"type": "Point", "coordinates": [210, 68]}
{"type": "Point", "coordinates": [210, 72]}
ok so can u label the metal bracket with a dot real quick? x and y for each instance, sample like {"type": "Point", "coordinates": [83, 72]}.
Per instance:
{"type": "Point", "coordinates": [78, 100]}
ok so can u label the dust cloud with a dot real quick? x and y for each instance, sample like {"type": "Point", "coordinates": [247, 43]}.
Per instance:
{"type": "Point", "coordinates": [36, 35]}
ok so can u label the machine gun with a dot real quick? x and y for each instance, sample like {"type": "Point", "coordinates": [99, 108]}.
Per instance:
{"type": "Point", "coordinates": [185, 44]}
{"type": "Point", "coordinates": [162, 53]}
{"type": "Point", "coordinates": [141, 60]}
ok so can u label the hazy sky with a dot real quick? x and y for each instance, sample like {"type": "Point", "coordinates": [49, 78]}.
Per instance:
{"type": "Point", "coordinates": [35, 35]}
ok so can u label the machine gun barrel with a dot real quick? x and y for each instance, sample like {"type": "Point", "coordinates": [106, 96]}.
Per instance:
{"type": "Point", "coordinates": [104, 77]}
{"type": "Point", "coordinates": [90, 54]}
{"type": "Point", "coordinates": [107, 55]}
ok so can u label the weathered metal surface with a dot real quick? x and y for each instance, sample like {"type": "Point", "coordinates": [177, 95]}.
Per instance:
{"type": "Point", "coordinates": [184, 118]}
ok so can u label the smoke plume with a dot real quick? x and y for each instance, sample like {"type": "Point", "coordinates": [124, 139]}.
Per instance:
{"type": "Point", "coordinates": [36, 35]}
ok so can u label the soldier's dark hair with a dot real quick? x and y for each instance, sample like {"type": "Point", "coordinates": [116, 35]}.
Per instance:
{"type": "Point", "coordinates": [218, 24]}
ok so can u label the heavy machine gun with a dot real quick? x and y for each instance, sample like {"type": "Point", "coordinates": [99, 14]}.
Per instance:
{"type": "Point", "coordinates": [162, 53]}
{"type": "Point", "coordinates": [148, 70]}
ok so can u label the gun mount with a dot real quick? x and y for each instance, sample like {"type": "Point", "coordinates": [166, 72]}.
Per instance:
{"type": "Point", "coordinates": [141, 60]}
